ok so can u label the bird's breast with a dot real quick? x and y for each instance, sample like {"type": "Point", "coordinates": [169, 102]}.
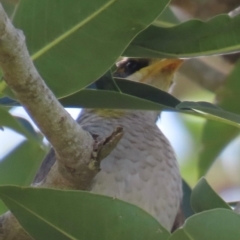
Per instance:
{"type": "Point", "coordinates": [142, 169]}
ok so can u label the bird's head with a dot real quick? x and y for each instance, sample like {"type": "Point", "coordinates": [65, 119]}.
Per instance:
{"type": "Point", "coordinates": [155, 72]}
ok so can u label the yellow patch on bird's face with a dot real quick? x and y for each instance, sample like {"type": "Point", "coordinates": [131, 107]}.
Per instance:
{"type": "Point", "coordinates": [159, 73]}
{"type": "Point", "coordinates": [110, 113]}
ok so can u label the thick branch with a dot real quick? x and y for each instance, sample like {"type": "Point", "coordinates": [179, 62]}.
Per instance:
{"type": "Point", "coordinates": [101, 149]}
{"type": "Point", "coordinates": [78, 153]}
{"type": "Point", "coordinates": [72, 144]}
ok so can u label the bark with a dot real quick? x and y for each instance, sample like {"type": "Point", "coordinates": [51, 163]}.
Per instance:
{"type": "Point", "coordinates": [78, 154]}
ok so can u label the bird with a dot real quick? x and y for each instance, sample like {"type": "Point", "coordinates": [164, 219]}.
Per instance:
{"type": "Point", "coordinates": [142, 169]}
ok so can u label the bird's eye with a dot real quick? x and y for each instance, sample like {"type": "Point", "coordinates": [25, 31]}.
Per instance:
{"type": "Point", "coordinates": [132, 66]}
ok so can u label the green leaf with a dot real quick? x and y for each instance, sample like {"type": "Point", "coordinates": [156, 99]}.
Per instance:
{"type": "Point", "coordinates": [8, 102]}
{"type": "Point", "coordinates": [217, 224]}
{"type": "Point", "coordinates": [219, 35]}
{"type": "Point", "coordinates": [143, 97]}
{"type": "Point", "coordinates": [167, 18]}
{"type": "Point", "coordinates": [3, 207]}
{"type": "Point", "coordinates": [212, 145]}
{"type": "Point", "coordinates": [204, 198]}
{"type": "Point", "coordinates": [28, 126]}
{"type": "Point", "coordinates": [210, 111]}
{"type": "Point", "coordinates": [9, 6]}
{"type": "Point", "coordinates": [7, 120]}
{"type": "Point", "coordinates": [89, 216]}
{"type": "Point", "coordinates": [20, 166]}
{"type": "Point", "coordinates": [186, 206]}
{"type": "Point", "coordinates": [100, 99]}
{"type": "Point", "coordinates": [74, 42]}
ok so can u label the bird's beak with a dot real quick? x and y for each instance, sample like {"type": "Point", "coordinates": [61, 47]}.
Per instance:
{"type": "Point", "coordinates": [159, 73]}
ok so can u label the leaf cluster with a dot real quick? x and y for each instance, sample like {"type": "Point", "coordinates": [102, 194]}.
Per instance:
{"type": "Point", "coordinates": [73, 43]}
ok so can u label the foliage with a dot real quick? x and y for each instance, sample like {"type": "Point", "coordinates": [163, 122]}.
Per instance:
{"type": "Point", "coordinates": [73, 43]}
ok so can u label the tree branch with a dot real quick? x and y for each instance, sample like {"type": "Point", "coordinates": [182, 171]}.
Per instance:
{"type": "Point", "coordinates": [70, 141]}
{"type": "Point", "coordinates": [78, 153]}
{"type": "Point", "coordinates": [10, 229]}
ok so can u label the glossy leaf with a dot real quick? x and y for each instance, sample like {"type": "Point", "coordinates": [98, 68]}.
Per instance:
{"type": "Point", "coordinates": [217, 224]}
{"type": "Point", "coordinates": [204, 198]}
{"type": "Point", "coordinates": [216, 136]}
{"type": "Point", "coordinates": [219, 35]}
{"type": "Point", "coordinates": [74, 42]}
{"type": "Point", "coordinates": [90, 216]}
